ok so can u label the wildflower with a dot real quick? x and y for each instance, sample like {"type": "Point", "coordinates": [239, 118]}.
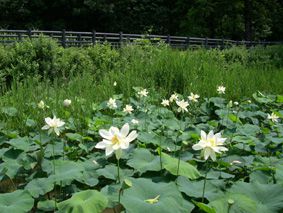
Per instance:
{"type": "Point", "coordinates": [272, 117]}
{"type": "Point", "coordinates": [128, 109]}
{"type": "Point", "coordinates": [173, 97]}
{"type": "Point", "coordinates": [182, 105]}
{"type": "Point", "coordinates": [53, 125]}
{"type": "Point", "coordinates": [41, 105]}
{"type": "Point", "coordinates": [165, 102]}
{"type": "Point", "coordinates": [236, 103]}
{"type": "Point", "coordinates": [134, 121]}
{"type": "Point", "coordinates": [112, 103]}
{"type": "Point", "coordinates": [115, 84]}
{"type": "Point", "coordinates": [193, 97]}
{"type": "Point", "coordinates": [114, 140]}
{"type": "Point", "coordinates": [143, 93]}
{"type": "Point", "coordinates": [67, 102]}
{"type": "Point", "coordinates": [221, 90]}
{"type": "Point", "coordinates": [210, 144]}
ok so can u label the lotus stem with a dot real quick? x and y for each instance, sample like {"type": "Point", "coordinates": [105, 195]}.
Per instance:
{"type": "Point", "coordinates": [118, 170]}
{"type": "Point", "coordinates": [54, 172]}
{"type": "Point", "coordinates": [179, 159]}
{"type": "Point", "coordinates": [204, 183]}
{"type": "Point", "coordinates": [160, 155]}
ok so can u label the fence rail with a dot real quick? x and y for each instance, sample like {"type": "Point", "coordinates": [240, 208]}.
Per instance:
{"type": "Point", "coordinates": [74, 38]}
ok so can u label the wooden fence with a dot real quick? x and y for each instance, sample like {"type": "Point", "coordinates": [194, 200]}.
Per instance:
{"type": "Point", "coordinates": [74, 38]}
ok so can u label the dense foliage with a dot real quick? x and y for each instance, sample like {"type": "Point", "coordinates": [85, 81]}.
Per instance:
{"type": "Point", "coordinates": [165, 69]}
{"type": "Point", "coordinates": [63, 169]}
{"type": "Point", "coordinates": [241, 19]}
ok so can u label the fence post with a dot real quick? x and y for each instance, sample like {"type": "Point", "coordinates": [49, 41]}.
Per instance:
{"type": "Point", "coordinates": [80, 40]}
{"type": "Point", "coordinates": [188, 41]}
{"type": "Point", "coordinates": [222, 43]}
{"type": "Point", "coordinates": [168, 40]}
{"type": "Point", "coordinates": [20, 36]}
{"type": "Point", "coordinates": [264, 43]}
{"type": "Point", "coordinates": [63, 39]}
{"type": "Point", "coordinates": [104, 38]}
{"type": "Point", "coordinates": [29, 33]}
{"type": "Point", "coordinates": [93, 37]}
{"type": "Point", "coordinates": [120, 39]}
{"type": "Point", "coordinates": [206, 43]}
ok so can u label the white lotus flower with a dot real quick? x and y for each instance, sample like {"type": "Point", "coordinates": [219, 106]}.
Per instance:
{"type": "Point", "coordinates": [173, 97]}
{"type": "Point", "coordinates": [67, 102]}
{"type": "Point", "coordinates": [114, 140]}
{"type": "Point", "coordinates": [42, 105]}
{"type": "Point", "coordinates": [165, 102]}
{"type": "Point", "coordinates": [193, 97]}
{"type": "Point", "coordinates": [134, 121]}
{"type": "Point", "coordinates": [182, 105]}
{"type": "Point", "coordinates": [210, 144]}
{"type": "Point", "coordinates": [128, 109]}
{"type": "Point", "coordinates": [143, 93]}
{"type": "Point", "coordinates": [112, 103]}
{"type": "Point", "coordinates": [272, 117]}
{"type": "Point", "coordinates": [53, 124]}
{"type": "Point", "coordinates": [221, 89]}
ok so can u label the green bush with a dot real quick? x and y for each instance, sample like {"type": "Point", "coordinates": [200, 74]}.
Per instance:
{"type": "Point", "coordinates": [243, 70]}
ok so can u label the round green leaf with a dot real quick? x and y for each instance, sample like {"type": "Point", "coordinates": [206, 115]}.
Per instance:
{"type": "Point", "coordinates": [18, 201]}
{"type": "Point", "coordinates": [74, 137]}
{"type": "Point", "coordinates": [194, 188]}
{"type": "Point", "coordinates": [39, 186]}
{"type": "Point", "coordinates": [143, 160]}
{"type": "Point", "coordinates": [89, 201]}
{"type": "Point", "coordinates": [147, 196]}
{"type": "Point", "coordinates": [185, 169]}
{"type": "Point", "coordinates": [46, 205]}
{"type": "Point", "coordinates": [268, 197]}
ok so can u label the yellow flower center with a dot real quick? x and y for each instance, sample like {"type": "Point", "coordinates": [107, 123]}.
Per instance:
{"type": "Point", "coordinates": [115, 140]}
{"type": "Point", "coordinates": [212, 142]}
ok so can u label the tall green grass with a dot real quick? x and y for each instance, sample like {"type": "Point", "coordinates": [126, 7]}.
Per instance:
{"type": "Point", "coordinates": [41, 70]}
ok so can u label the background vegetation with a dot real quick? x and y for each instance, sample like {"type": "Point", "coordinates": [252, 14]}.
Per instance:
{"type": "Point", "coordinates": [41, 70]}
{"type": "Point", "coordinates": [239, 19]}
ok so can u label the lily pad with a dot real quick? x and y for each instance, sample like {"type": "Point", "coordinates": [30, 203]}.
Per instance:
{"type": "Point", "coordinates": [89, 201]}
{"type": "Point", "coordinates": [268, 197]}
{"type": "Point", "coordinates": [18, 201]}
{"type": "Point", "coordinates": [194, 188]}
{"type": "Point", "coordinates": [185, 169]}
{"type": "Point", "coordinates": [143, 160]}
{"type": "Point", "coordinates": [39, 186]}
{"type": "Point", "coordinates": [250, 198]}
{"type": "Point", "coordinates": [111, 171]}
{"type": "Point", "coordinates": [147, 196]}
